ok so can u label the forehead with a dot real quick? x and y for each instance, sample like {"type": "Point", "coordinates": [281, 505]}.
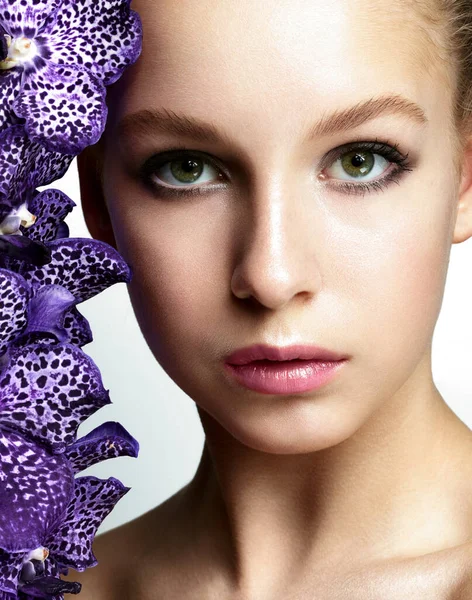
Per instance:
{"type": "Point", "coordinates": [284, 58]}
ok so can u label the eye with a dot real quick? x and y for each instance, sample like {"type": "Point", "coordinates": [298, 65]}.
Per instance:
{"type": "Point", "coordinates": [359, 162]}
{"type": "Point", "coordinates": [362, 162]}
{"type": "Point", "coordinates": [166, 172]}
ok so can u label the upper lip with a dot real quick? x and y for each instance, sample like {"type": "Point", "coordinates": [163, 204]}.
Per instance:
{"type": "Point", "coordinates": [264, 351]}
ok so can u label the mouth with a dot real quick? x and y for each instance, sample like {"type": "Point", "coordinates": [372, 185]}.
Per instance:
{"type": "Point", "coordinates": [282, 377]}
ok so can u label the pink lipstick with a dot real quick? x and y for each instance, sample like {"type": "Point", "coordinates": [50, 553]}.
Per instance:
{"type": "Point", "coordinates": [288, 370]}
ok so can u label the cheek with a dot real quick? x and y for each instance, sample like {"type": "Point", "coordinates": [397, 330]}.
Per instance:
{"type": "Point", "coordinates": [179, 283]}
{"type": "Point", "coordinates": [398, 285]}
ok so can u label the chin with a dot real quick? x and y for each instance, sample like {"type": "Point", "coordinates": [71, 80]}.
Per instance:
{"type": "Point", "coordinates": [296, 429]}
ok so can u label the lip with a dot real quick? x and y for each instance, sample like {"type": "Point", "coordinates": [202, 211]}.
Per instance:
{"type": "Point", "coordinates": [243, 356]}
{"type": "Point", "coordinates": [276, 370]}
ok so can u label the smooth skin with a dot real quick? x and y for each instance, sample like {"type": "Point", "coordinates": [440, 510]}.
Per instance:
{"type": "Point", "coordinates": [363, 488]}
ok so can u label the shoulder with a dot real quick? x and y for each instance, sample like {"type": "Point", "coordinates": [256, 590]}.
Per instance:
{"type": "Point", "coordinates": [462, 585]}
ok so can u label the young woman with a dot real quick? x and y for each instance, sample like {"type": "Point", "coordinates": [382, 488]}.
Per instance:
{"type": "Point", "coordinates": [287, 174]}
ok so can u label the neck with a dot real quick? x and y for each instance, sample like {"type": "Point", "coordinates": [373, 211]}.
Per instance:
{"type": "Point", "coordinates": [392, 489]}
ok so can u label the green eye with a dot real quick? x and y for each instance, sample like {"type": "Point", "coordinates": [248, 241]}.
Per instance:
{"type": "Point", "coordinates": [186, 170]}
{"type": "Point", "coordinates": [178, 171]}
{"type": "Point", "coordinates": [358, 163]}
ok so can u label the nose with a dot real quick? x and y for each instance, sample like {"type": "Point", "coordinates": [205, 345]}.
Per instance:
{"type": "Point", "coordinates": [277, 259]}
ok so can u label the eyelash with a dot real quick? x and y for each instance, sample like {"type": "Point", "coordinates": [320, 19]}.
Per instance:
{"type": "Point", "coordinates": [387, 150]}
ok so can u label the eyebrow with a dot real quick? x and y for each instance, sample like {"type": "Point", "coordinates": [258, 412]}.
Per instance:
{"type": "Point", "coordinates": [148, 121]}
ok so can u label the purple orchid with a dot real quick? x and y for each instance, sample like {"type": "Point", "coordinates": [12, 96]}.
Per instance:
{"type": "Point", "coordinates": [48, 518]}
{"type": "Point", "coordinates": [24, 166]}
{"type": "Point", "coordinates": [47, 390]}
{"type": "Point", "coordinates": [56, 57]}
{"type": "Point", "coordinates": [77, 269]}
{"type": "Point", "coordinates": [61, 55]}
{"type": "Point", "coordinates": [40, 305]}
{"type": "Point", "coordinates": [28, 232]}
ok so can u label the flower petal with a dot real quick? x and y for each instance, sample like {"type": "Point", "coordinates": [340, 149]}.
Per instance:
{"type": "Point", "coordinates": [76, 100]}
{"type": "Point", "coordinates": [104, 37]}
{"type": "Point", "coordinates": [10, 84]}
{"type": "Point", "coordinates": [49, 571]}
{"type": "Point", "coordinates": [108, 440]}
{"type": "Point", "coordinates": [50, 206]}
{"type": "Point", "coordinates": [36, 487]}
{"type": "Point", "coordinates": [19, 17]}
{"type": "Point", "coordinates": [71, 542]}
{"type": "Point", "coordinates": [15, 294]}
{"type": "Point", "coordinates": [50, 587]}
{"type": "Point", "coordinates": [10, 569]}
{"type": "Point", "coordinates": [83, 266]}
{"type": "Point", "coordinates": [46, 391]}
{"type": "Point", "coordinates": [47, 310]}
{"type": "Point", "coordinates": [77, 327]}
{"type": "Point", "coordinates": [21, 248]}
{"type": "Point", "coordinates": [24, 166]}
{"type": "Point", "coordinates": [75, 330]}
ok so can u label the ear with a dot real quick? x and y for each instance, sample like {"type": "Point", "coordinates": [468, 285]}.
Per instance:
{"type": "Point", "coordinates": [463, 226]}
{"type": "Point", "coordinates": [97, 217]}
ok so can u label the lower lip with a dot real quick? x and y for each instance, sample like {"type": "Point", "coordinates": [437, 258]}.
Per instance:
{"type": "Point", "coordinates": [285, 377]}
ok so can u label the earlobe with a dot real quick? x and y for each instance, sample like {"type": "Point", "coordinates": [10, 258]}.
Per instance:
{"type": "Point", "coordinates": [93, 202]}
{"type": "Point", "coordinates": [463, 226]}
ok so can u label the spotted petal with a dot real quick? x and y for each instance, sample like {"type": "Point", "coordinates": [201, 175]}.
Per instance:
{"type": "Point", "coordinates": [10, 83]}
{"type": "Point", "coordinates": [71, 542]}
{"type": "Point", "coordinates": [19, 17]}
{"type": "Point", "coordinates": [24, 166]}
{"type": "Point", "coordinates": [76, 100]}
{"type": "Point", "coordinates": [74, 330]}
{"type": "Point", "coordinates": [83, 266]}
{"type": "Point", "coordinates": [36, 487]}
{"type": "Point", "coordinates": [15, 294]}
{"type": "Point", "coordinates": [78, 329]}
{"type": "Point", "coordinates": [108, 440]}
{"type": "Point", "coordinates": [104, 37]}
{"type": "Point", "coordinates": [10, 567]}
{"type": "Point", "coordinates": [47, 390]}
{"type": "Point", "coordinates": [50, 206]}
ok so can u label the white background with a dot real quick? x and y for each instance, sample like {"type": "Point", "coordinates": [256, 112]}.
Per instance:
{"type": "Point", "coordinates": [164, 419]}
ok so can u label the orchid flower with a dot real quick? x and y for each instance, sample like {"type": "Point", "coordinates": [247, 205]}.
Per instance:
{"type": "Point", "coordinates": [48, 518]}
{"type": "Point", "coordinates": [76, 270]}
{"type": "Point", "coordinates": [56, 57]}
{"type": "Point", "coordinates": [24, 166]}
{"type": "Point", "coordinates": [61, 55]}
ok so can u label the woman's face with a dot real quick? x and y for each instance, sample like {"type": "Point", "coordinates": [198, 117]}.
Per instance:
{"type": "Point", "coordinates": [293, 239]}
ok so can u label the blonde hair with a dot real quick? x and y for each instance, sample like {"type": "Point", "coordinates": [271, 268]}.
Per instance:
{"type": "Point", "coordinates": [458, 24]}
{"type": "Point", "coordinates": [448, 26]}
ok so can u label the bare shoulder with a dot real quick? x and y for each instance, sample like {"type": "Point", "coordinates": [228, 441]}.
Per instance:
{"type": "Point", "coordinates": [123, 553]}
{"type": "Point", "coordinates": [443, 575]}
{"type": "Point", "coordinates": [461, 588]}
